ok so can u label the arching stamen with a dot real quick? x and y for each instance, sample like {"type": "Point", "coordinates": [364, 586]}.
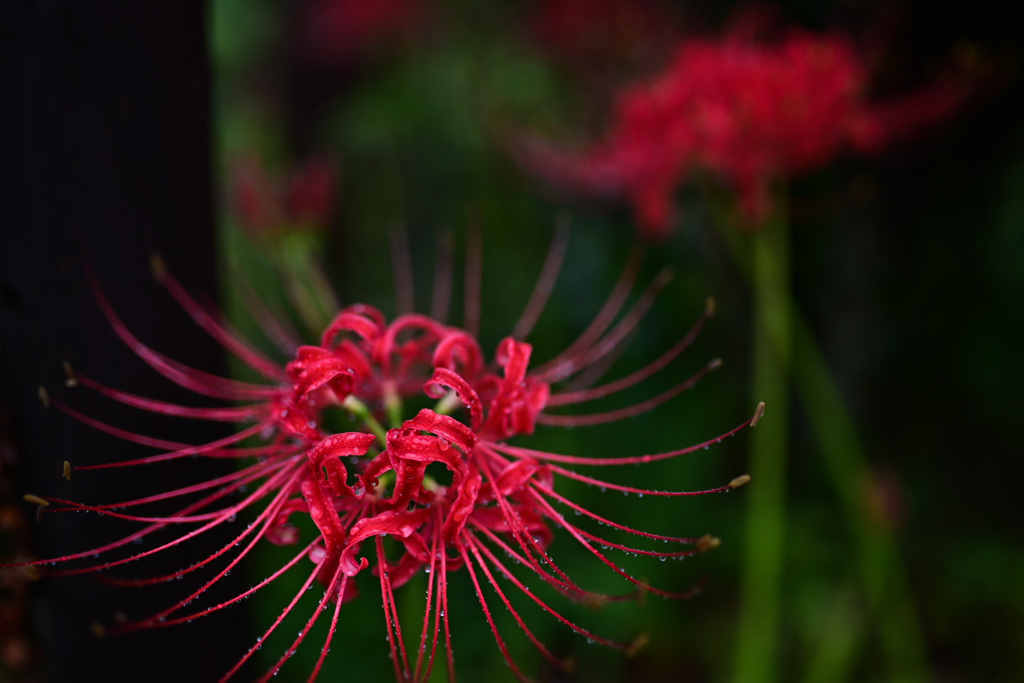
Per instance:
{"type": "Point", "coordinates": [401, 269]}
{"type": "Point", "coordinates": [273, 323]}
{"type": "Point", "coordinates": [630, 411]}
{"type": "Point", "coordinates": [504, 569]}
{"type": "Point", "coordinates": [632, 489]}
{"type": "Point", "coordinates": [399, 657]}
{"type": "Point", "coordinates": [244, 413]}
{"type": "Point", "coordinates": [607, 522]}
{"type": "Point", "coordinates": [545, 282]}
{"type": "Point", "coordinates": [441, 296]}
{"type": "Point", "coordinates": [474, 278]}
{"type": "Point", "coordinates": [487, 614]}
{"type": "Point", "coordinates": [473, 548]}
{"type": "Point", "coordinates": [424, 664]}
{"type": "Point", "coordinates": [614, 567]}
{"type": "Point", "coordinates": [284, 613]}
{"type": "Point", "coordinates": [640, 375]}
{"type": "Point", "coordinates": [337, 583]}
{"type": "Point", "coordinates": [604, 317]}
{"type": "Point", "coordinates": [519, 452]}
{"type": "Point", "coordinates": [211, 325]}
{"type": "Point", "coordinates": [586, 356]}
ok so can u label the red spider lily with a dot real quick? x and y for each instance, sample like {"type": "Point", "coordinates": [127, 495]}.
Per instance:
{"type": "Point", "coordinates": [374, 495]}
{"type": "Point", "coordinates": [303, 202]}
{"type": "Point", "coordinates": [749, 111]}
{"type": "Point", "coordinates": [340, 32]}
{"type": "Point", "coordinates": [603, 38]}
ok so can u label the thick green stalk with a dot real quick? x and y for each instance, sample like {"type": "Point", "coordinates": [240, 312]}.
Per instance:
{"type": "Point", "coordinates": [841, 638]}
{"type": "Point", "coordinates": [758, 639]}
{"type": "Point", "coordinates": [881, 571]}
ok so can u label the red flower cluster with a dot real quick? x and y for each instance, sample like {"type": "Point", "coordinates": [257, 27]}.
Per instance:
{"type": "Point", "coordinates": [302, 202]}
{"type": "Point", "coordinates": [605, 38]}
{"type": "Point", "coordinates": [434, 493]}
{"type": "Point", "coordinates": [749, 111]}
{"type": "Point", "coordinates": [340, 32]}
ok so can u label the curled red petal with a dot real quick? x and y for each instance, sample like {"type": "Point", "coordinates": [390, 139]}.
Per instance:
{"type": "Point", "coordinates": [459, 351]}
{"type": "Point", "coordinates": [314, 368]}
{"type": "Point", "coordinates": [325, 457]}
{"type": "Point", "coordinates": [358, 321]}
{"type": "Point", "coordinates": [464, 505]}
{"type": "Point", "coordinates": [324, 514]}
{"type": "Point", "coordinates": [447, 379]}
{"type": "Point", "coordinates": [443, 425]}
{"type": "Point", "coordinates": [400, 523]}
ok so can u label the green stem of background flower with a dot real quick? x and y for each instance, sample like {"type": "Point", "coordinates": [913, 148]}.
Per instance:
{"type": "Point", "coordinates": [759, 628]}
{"type": "Point", "coordinates": [781, 334]}
{"type": "Point", "coordinates": [885, 582]}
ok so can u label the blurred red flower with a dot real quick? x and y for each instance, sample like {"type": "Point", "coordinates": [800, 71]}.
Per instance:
{"type": "Point", "coordinates": [301, 202]}
{"type": "Point", "coordinates": [340, 32]}
{"type": "Point", "coordinates": [748, 110]}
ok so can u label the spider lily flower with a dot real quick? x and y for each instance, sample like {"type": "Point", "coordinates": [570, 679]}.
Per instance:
{"type": "Point", "coordinates": [268, 208]}
{"type": "Point", "coordinates": [287, 218]}
{"type": "Point", "coordinates": [441, 492]}
{"type": "Point", "coordinates": [602, 40]}
{"type": "Point", "coordinates": [749, 112]}
{"type": "Point", "coordinates": [343, 33]}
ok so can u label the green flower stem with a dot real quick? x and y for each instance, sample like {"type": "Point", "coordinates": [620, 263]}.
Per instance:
{"type": "Point", "coordinates": [842, 636]}
{"type": "Point", "coordinates": [882, 573]}
{"type": "Point", "coordinates": [393, 405]}
{"type": "Point", "coordinates": [759, 628]}
{"type": "Point", "coordinates": [883, 578]}
{"type": "Point", "coordinates": [359, 409]}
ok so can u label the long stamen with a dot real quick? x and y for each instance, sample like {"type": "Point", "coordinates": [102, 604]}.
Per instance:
{"type": "Point", "coordinates": [401, 266]}
{"type": "Point", "coordinates": [546, 281]}
{"type": "Point", "coordinates": [630, 411]}
{"type": "Point", "coordinates": [212, 326]}
{"type": "Point", "coordinates": [441, 295]}
{"type": "Point", "coordinates": [641, 374]}
{"type": "Point", "coordinates": [612, 305]}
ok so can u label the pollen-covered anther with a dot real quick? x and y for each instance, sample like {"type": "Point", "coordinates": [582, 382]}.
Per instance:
{"type": "Point", "coordinates": [157, 266]}
{"type": "Point", "coordinates": [639, 643]}
{"type": "Point", "coordinates": [708, 542]}
{"type": "Point", "coordinates": [758, 414]}
{"type": "Point", "coordinates": [739, 481]}
{"type": "Point", "coordinates": [67, 470]}
{"type": "Point", "coordinates": [709, 306]}
{"type": "Point", "coordinates": [72, 378]}
{"type": "Point", "coordinates": [44, 396]}
{"type": "Point", "coordinates": [36, 500]}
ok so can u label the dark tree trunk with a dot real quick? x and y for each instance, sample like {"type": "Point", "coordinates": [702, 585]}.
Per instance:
{"type": "Point", "coordinates": [106, 157]}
